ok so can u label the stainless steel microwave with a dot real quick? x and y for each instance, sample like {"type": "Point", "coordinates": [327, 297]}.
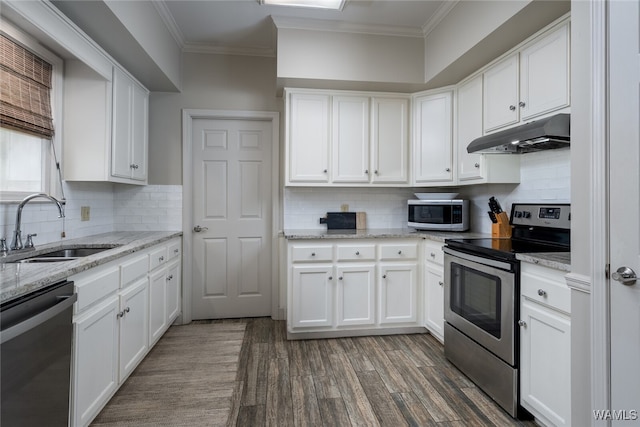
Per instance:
{"type": "Point", "coordinates": [439, 215]}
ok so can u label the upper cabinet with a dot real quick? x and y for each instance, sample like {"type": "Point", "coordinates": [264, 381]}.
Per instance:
{"type": "Point", "coordinates": [528, 83]}
{"type": "Point", "coordinates": [105, 126]}
{"type": "Point", "coordinates": [433, 138]}
{"type": "Point", "coordinates": [346, 138]}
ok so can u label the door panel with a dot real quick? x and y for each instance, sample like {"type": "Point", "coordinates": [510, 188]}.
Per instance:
{"type": "Point", "coordinates": [233, 206]}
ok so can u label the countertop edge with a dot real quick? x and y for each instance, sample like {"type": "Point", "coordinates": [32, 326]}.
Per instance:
{"type": "Point", "coordinates": [557, 260]}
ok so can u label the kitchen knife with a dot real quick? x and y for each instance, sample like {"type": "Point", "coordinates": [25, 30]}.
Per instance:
{"type": "Point", "coordinates": [492, 215]}
{"type": "Point", "coordinates": [494, 205]}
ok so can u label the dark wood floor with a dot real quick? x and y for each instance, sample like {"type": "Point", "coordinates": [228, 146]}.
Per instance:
{"type": "Point", "coordinates": [367, 381]}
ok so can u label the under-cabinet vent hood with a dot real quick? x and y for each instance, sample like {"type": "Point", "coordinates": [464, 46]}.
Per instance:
{"type": "Point", "coordinates": [544, 134]}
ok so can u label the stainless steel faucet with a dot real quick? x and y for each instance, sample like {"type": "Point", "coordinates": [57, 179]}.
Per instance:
{"type": "Point", "coordinates": [16, 243]}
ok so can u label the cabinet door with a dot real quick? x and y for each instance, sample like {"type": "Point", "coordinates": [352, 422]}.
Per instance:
{"type": "Point", "coordinates": [173, 293]}
{"type": "Point", "coordinates": [434, 304]}
{"type": "Point", "coordinates": [433, 149]}
{"type": "Point", "coordinates": [95, 369]}
{"type": "Point", "coordinates": [544, 75]}
{"type": "Point", "coordinates": [398, 293]}
{"type": "Point", "coordinates": [134, 326]}
{"type": "Point", "coordinates": [501, 94]}
{"type": "Point", "coordinates": [470, 165]}
{"type": "Point", "coordinates": [308, 144]}
{"type": "Point", "coordinates": [350, 139]}
{"type": "Point", "coordinates": [157, 306]}
{"type": "Point", "coordinates": [390, 140]}
{"type": "Point", "coordinates": [312, 296]}
{"type": "Point", "coordinates": [356, 294]}
{"type": "Point", "coordinates": [140, 125]}
{"type": "Point", "coordinates": [545, 354]}
{"type": "Point", "coordinates": [121, 164]}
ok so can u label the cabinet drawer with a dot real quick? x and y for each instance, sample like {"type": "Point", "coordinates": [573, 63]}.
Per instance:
{"type": "Point", "coordinates": [546, 289]}
{"type": "Point", "coordinates": [433, 251]}
{"type": "Point", "coordinates": [93, 287]}
{"type": "Point", "coordinates": [356, 252]}
{"type": "Point", "coordinates": [399, 251]}
{"type": "Point", "coordinates": [174, 249]}
{"type": "Point", "coordinates": [309, 253]}
{"type": "Point", "coordinates": [157, 257]}
{"type": "Point", "coordinates": [134, 268]}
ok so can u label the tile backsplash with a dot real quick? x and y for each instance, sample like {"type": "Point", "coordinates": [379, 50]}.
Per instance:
{"type": "Point", "coordinates": [112, 208]}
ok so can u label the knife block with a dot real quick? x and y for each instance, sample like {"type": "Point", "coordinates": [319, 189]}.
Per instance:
{"type": "Point", "coordinates": [502, 227]}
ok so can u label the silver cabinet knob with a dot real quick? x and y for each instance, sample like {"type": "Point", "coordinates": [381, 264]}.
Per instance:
{"type": "Point", "coordinates": [522, 323]}
{"type": "Point", "coordinates": [512, 107]}
{"type": "Point", "coordinates": [522, 104]}
{"type": "Point", "coordinates": [128, 309]}
{"type": "Point", "coordinates": [199, 229]}
{"type": "Point", "coordinates": [313, 254]}
{"type": "Point", "coordinates": [441, 283]}
{"type": "Point", "coordinates": [448, 169]}
{"type": "Point", "coordinates": [357, 252]}
{"type": "Point", "coordinates": [366, 171]}
{"type": "Point", "coordinates": [477, 165]}
{"type": "Point", "coordinates": [625, 275]}
{"type": "Point", "coordinates": [376, 172]}
{"type": "Point", "coordinates": [542, 292]}
{"type": "Point", "coordinates": [330, 277]}
{"type": "Point", "coordinates": [324, 171]}
{"type": "Point", "coordinates": [340, 278]}
{"type": "Point", "coordinates": [399, 252]}
{"type": "Point", "coordinates": [160, 259]}
{"type": "Point", "coordinates": [433, 255]}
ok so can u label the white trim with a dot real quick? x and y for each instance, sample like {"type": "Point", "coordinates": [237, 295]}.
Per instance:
{"type": "Point", "coordinates": [441, 13]}
{"type": "Point", "coordinates": [188, 115]}
{"type": "Point", "coordinates": [169, 21]}
{"type": "Point", "coordinates": [205, 48]}
{"type": "Point", "coordinates": [344, 27]}
{"type": "Point", "coordinates": [578, 282]}
{"type": "Point", "coordinates": [600, 298]}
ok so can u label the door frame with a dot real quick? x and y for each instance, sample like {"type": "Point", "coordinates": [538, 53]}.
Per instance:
{"type": "Point", "coordinates": [188, 116]}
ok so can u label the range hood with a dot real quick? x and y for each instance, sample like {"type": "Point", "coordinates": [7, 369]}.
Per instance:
{"type": "Point", "coordinates": [544, 134]}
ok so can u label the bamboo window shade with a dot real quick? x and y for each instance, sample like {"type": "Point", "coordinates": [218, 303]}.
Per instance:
{"type": "Point", "coordinates": [25, 90]}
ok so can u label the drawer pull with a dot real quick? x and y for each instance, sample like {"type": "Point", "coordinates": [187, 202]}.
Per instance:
{"type": "Point", "coordinates": [313, 254]}
{"type": "Point", "coordinates": [161, 259]}
{"type": "Point", "coordinates": [175, 251]}
{"type": "Point", "coordinates": [433, 255]}
{"type": "Point", "coordinates": [441, 283]}
{"type": "Point", "coordinates": [170, 278]}
{"type": "Point", "coordinates": [340, 278]}
{"type": "Point", "coordinates": [522, 323]}
{"type": "Point", "coordinates": [542, 292]}
{"type": "Point", "coordinates": [330, 277]}
{"type": "Point", "coordinates": [126, 310]}
{"type": "Point", "coordinates": [357, 252]}
{"type": "Point", "coordinates": [399, 252]}
{"type": "Point", "coordinates": [384, 276]}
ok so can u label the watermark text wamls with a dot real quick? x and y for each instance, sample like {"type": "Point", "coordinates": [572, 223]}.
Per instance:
{"type": "Point", "coordinates": [615, 415]}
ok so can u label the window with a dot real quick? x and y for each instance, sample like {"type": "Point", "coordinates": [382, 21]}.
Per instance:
{"type": "Point", "coordinates": [27, 154]}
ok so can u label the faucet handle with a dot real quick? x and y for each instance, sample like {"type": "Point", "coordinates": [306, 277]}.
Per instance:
{"type": "Point", "coordinates": [29, 243]}
{"type": "Point", "coordinates": [4, 250]}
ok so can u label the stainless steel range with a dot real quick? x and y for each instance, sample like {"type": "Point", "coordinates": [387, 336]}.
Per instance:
{"type": "Point", "coordinates": [482, 293]}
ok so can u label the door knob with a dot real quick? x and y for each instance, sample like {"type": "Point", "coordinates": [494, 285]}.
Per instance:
{"type": "Point", "coordinates": [625, 275]}
{"type": "Point", "coordinates": [199, 229]}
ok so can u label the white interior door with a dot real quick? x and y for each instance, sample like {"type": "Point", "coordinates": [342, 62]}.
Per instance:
{"type": "Point", "coordinates": [624, 50]}
{"type": "Point", "coordinates": [232, 205]}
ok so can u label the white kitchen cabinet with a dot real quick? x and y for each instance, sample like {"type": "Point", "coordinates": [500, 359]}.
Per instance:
{"type": "Point", "coordinates": [130, 127]}
{"type": "Point", "coordinates": [398, 301]}
{"type": "Point", "coordinates": [174, 290]}
{"type": "Point", "coordinates": [308, 135]}
{"type": "Point", "coordinates": [350, 139]}
{"type": "Point", "coordinates": [356, 294]}
{"type": "Point", "coordinates": [390, 140]}
{"type": "Point", "coordinates": [434, 289]}
{"type": "Point", "coordinates": [476, 168]}
{"type": "Point", "coordinates": [95, 358]}
{"type": "Point", "coordinates": [433, 139]}
{"type": "Point", "coordinates": [312, 296]}
{"type": "Point", "coordinates": [133, 317]}
{"type": "Point", "coordinates": [157, 305]}
{"type": "Point", "coordinates": [529, 83]}
{"type": "Point", "coordinates": [545, 345]}
{"type": "Point", "coordinates": [105, 126]}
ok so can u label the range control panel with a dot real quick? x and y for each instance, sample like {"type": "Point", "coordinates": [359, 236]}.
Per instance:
{"type": "Point", "coordinates": [538, 215]}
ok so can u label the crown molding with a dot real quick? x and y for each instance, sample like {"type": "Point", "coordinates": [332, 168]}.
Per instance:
{"type": "Point", "coordinates": [209, 49]}
{"type": "Point", "coordinates": [169, 22]}
{"type": "Point", "coordinates": [345, 27]}
{"type": "Point", "coordinates": [437, 17]}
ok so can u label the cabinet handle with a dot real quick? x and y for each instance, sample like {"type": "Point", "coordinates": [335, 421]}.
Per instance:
{"type": "Point", "coordinates": [170, 278]}
{"type": "Point", "coordinates": [128, 309]}
{"type": "Point", "coordinates": [340, 278]}
{"type": "Point", "coordinates": [441, 283]}
{"type": "Point", "coordinates": [522, 323]}
{"type": "Point", "coordinates": [384, 276]}
{"type": "Point", "coordinates": [477, 165]}
{"type": "Point", "coordinates": [330, 277]}
{"type": "Point", "coordinates": [161, 259]}
{"type": "Point", "coordinates": [399, 252]}
{"type": "Point", "coordinates": [324, 171]}
{"type": "Point", "coordinates": [448, 169]}
{"type": "Point", "coordinates": [512, 107]}
{"type": "Point", "coordinates": [313, 254]}
{"type": "Point", "coordinates": [522, 104]}
{"type": "Point", "coordinates": [175, 251]}
{"type": "Point", "coordinates": [433, 255]}
{"type": "Point", "coordinates": [376, 172]}
{"type": "Point", "coordinates": [357, 252]}
{"type": "Point", "coordinates": [366, 171]}
{"type": "Point", "coordinates": [542, 292]}
{"type": "Point", "coordinates": [120, 314]}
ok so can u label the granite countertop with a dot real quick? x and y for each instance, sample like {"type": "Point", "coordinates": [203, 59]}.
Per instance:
{"type": "Point", "coordinates": [556, 260]}
{"type": "Point", "coordinates": [377, 233]}
{"type": "Point", "coordinates": [18, 279]}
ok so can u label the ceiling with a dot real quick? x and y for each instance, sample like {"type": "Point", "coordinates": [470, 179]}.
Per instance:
{"type": "Point", "coordinates": [245, 26]}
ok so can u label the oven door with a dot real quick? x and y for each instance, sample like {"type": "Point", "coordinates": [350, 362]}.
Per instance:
{"type": "Point", "coordinates": [480, 300]}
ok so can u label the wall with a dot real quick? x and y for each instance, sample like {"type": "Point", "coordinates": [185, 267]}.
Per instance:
{"type": "Point", "coordinates": [545, 176]}
{"type": "Point", "coordinates": [112, 208]}
{"type": "Point", "coordinates": [220, 82]}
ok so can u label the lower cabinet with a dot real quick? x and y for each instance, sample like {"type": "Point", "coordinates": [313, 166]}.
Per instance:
{"type": "Point", "coordinates": [434, 289]}
{"type": "Point", "coordinates": [123, 308]}
{"type": "Point", "coordinates": [337, 288]}
{"type": "Point", "coordinates": [545, 345]}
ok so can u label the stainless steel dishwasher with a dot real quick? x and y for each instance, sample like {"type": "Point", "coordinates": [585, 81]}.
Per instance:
{"type": "Point", "coordinates": [36, 334]}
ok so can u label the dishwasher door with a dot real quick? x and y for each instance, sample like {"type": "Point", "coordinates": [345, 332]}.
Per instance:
{"type": "Point", "coordinates": [36, 334]}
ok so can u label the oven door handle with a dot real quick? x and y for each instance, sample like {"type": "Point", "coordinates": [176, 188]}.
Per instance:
{"type": "Point", "coordinates": [480, 260]}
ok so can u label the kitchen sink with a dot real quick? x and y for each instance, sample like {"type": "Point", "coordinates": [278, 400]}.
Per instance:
{"type": "Point", "coordinates": [68, 254]}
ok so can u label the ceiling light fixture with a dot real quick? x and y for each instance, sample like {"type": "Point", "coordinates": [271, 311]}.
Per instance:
{"type": "Point", "coordinates": [315, 4]}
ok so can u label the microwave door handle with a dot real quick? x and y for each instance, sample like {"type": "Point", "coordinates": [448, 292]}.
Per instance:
{"type": "Point", "coordinates": [480, 260]}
